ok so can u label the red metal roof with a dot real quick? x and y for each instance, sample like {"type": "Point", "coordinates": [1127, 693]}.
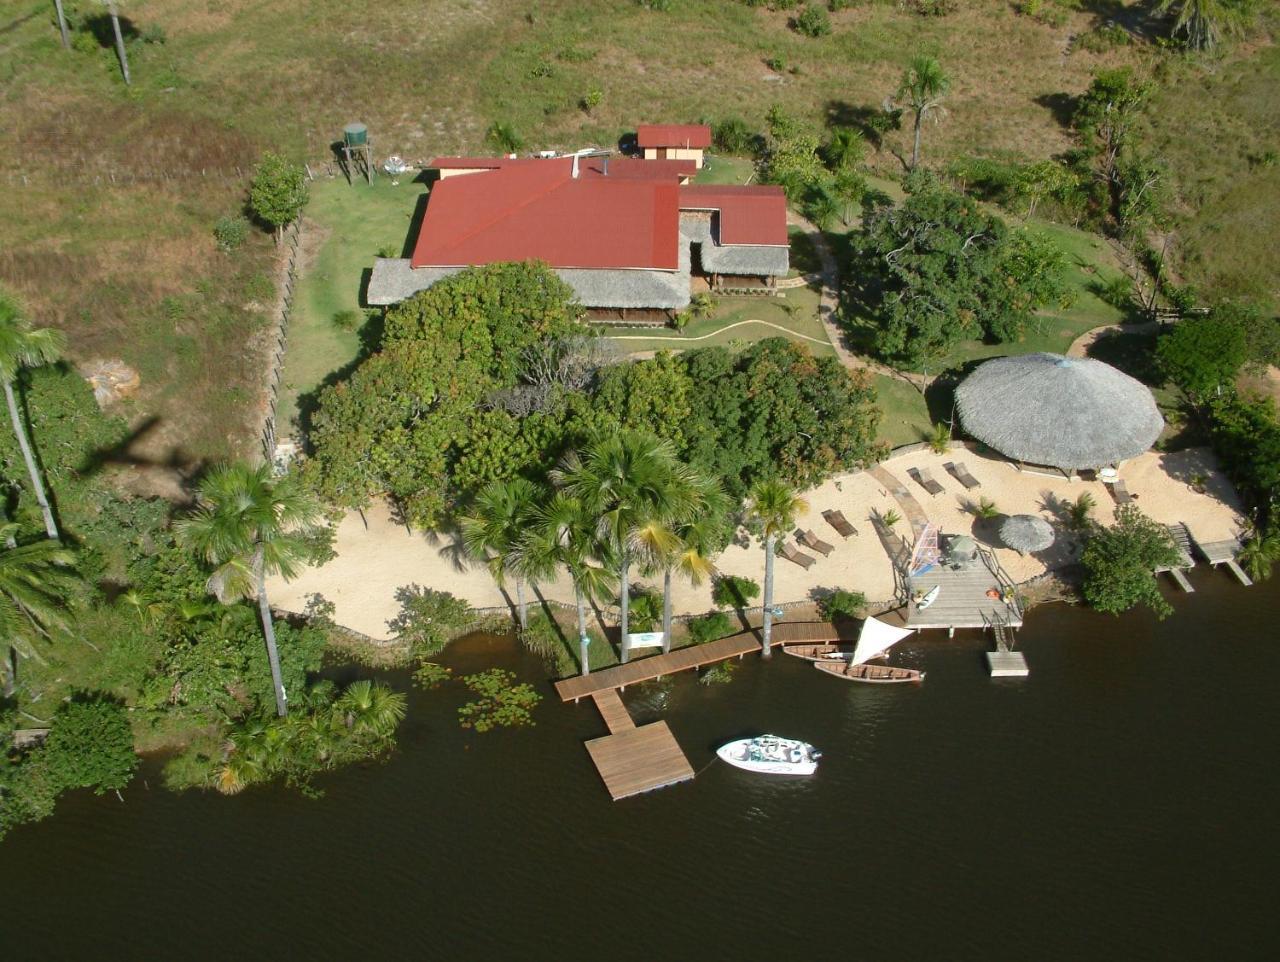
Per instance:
{"type": "Point", "coordinates": [674, 135]}
{"type": "Point", "coordinates": [748, 215]}
{"type": "Point", "coordinates": [537, 210]}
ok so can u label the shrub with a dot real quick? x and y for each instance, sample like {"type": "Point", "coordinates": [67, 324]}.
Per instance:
{"type": "Point", "coordinates": [842, 604]}
{"type": "Point", "coordinates": [91, 746]}
{"type": "Point", "coordinates": [591, 99]}
{"type": "Point", "coordinates": [733, 136]}
{"type": "Point", "coordinates": [428, 618]}
{"type": "Point", "coordinates": [939, 439]}
{"type": "Point", "coordinates": [1118, 292]}
{"type": "Point", "coordinates": [646, 610]}
{"type": "Point", "coordinates": [986, 509]}
{"type": "Point", "coordinates": [710, 627]}
{"type": "Point", "coordinates": [1104, 38]}
{"type": "Point", "coordinates": [230, 232]}
{"type": "Point", "coordinates": [776, 64]}
{"type": "Point", "coordinates": [541, 70]}
{"type": "Point", "coordinates": [734, 591]}
{"type": "Point", "coordinates": [813, 22]}
{"type": "Point", "coordinates": [347, 320]}
{"type": "Point", "coordinates": [504, 137]}
{"type": "Point", "coordinates": [935, 8]}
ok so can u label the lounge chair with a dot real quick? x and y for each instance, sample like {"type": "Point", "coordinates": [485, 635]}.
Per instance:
{"type": "Point", "coordinates": [961, 474]}
{"type": "Point", "coordinates": [838, 521]}
{"type": "Point", "coordinates": [799, 557]}
{"type": "Point", "coordinates": [1120, 492]}
{"type": "Point", "coordinates": [814, 543]}
{"type": "Point", "coordinates": [923, 478]}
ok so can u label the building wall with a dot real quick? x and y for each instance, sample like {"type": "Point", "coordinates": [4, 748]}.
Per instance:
{"type": "Point", "coordinates": [639, 316]}
{"type": "Point", "coordinates": [455, 171]}
{"type": "Point", "coordinates": [673, 153]}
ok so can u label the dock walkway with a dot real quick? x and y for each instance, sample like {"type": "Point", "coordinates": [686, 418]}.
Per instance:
{"type": "Point", "coordinates": [1224, 553]}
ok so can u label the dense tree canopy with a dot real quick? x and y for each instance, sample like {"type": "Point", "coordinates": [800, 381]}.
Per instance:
{"type": "Point", "coordinates": [938, 269]}
{"type": "Point", "coordinates": [1120, 563]}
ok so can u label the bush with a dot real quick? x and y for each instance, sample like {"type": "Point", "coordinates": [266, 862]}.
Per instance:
{"type": "Point", "coordinates": [710, 627]}
{"type": "Point", "coordinates": [1105, 38]}
{"type": "Point", "coordinates": [504, 137]}
{"type": "Point", "coordinates": [843, 605]}
{"type": "Point", "coordinates": [91, 746]}
{"type": "Point", "coordinates": [230, 232]}
{"type": "Point", "coordinates": [733, 136]}
{"type": "Point", "coordinates": [646, 610]}
{"type": "Point", "coordinates": [428, 619]}
{"type": "Point", "coordinates": [734, 591]}
{"type": "Point", "coordinates": [591, 99]}
{"type": "Point", "coordinates": [1118, 292]}
{"type": "Point", "coordinates": [813, 22]}
{"type": "Point", "coordinates": [347, 320]}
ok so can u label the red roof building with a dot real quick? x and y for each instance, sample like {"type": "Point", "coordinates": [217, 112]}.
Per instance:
{"type": "Point", "coordinates": [673, 141]}
{"type": "Point", "coordinates": [629, 235]}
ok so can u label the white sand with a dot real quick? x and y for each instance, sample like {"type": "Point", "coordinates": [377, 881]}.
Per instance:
{"type": "Point", "coordinates": [372, 564]}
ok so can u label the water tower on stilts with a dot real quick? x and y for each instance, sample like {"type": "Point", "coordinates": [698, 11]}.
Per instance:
{"type": "Point", "coordinates": [356, 151]}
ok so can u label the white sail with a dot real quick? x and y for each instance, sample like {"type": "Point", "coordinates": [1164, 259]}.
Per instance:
{"type": "Point", "coordinates": [875, 638]}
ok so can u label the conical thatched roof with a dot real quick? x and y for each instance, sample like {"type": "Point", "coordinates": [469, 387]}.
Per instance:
{"type": "Point", "coordinates": [1026, 532]}
{"type": "Point", "coordinates": [1066, 412]}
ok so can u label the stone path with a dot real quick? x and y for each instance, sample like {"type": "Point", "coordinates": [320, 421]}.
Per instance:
{"type": "Point", "coordinates": [910, 506]}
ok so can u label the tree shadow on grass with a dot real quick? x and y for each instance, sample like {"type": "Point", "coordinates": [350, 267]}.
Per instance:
{"type": "Point", "coordinates": [1134, 354]}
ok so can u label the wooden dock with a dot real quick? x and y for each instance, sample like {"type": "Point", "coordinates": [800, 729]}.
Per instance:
{"type": "Point", "coordinates": [1004, 662]}
{"type": "Point", "coordinates": [639, 760]}
{"type": "Point", "coordinates": [1224, 553]}
{"type": "Point", "coordinates": [613, 711]}
{"type": "Point", "coordinates": [964, 601]}
{"type": "Point", "coordinates": [1182, 541]}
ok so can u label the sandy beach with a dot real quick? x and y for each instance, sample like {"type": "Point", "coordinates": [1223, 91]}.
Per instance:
{"type": "Point", "coordinates": [374, 562]}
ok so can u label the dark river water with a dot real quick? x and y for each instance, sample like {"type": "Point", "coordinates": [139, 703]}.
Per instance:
{"type": "Point", "coordinates": [1121, 803]}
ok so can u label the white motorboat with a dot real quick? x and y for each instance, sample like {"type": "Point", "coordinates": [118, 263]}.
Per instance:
{"type": "Point", "coordinates": [771, 755]}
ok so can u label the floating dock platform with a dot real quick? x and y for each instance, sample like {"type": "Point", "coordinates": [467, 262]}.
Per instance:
{"type": "Point", "coordinates": [1007, 664]}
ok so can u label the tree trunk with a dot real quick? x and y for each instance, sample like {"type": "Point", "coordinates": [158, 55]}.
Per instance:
{"type": "Point", "coordinates": [62, 25]}
{"type": "Point", "coordinates": [50, 527]}
{"type": "Point", "coordinates": [124, 57]}
{"type": "Point", "coordinates": [584, 643]}
{"type": "Point", "coordinates": [666, 611]}
{"type": "Point", "coordinates": [522, 607]}
{"type": "Point", "coordinates": [269, 631]}
{"type": "Point", "coordinates": [625, 607]}
{"type": "Point", "coordinates": [915, 150]}
{"type": "Point", "coordinates": [768, 596]}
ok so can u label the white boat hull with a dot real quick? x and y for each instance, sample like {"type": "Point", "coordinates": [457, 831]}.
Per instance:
{"type": "Point", "coordinates": [770, 755]}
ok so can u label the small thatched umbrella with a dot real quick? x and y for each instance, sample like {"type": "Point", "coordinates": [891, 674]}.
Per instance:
{"type": "Point", "coordinates": [1065, 412]}
{"type": "Point", "coordinates": [1025, 533]}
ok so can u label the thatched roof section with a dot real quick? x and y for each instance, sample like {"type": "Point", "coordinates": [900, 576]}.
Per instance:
{"type": "Point", "coordinates": [1065, 412]}
{"type": "Point", "coordinates": [1026, 533]}
{"type": "Point", "coordinates": [717, 258]}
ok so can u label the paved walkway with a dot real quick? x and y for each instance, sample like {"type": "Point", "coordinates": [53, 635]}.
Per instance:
{"type": "Point", "coordinates": [1080, 346]}
{"type": "Point", "coordinates": [910, 506]}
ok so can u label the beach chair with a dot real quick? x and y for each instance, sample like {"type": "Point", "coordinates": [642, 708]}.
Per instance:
{"type": "Point", "coordinates": [798, 557]}
{"type": "Point", "coordinates": [814, 543]}
{"type": "Point", "coordinates": [1120, 492]}
{"type": "Point", "coordinates": [961, 474]}
{"type": "Point", "coordinates": [838, 521]}
{"type": "Point", "coordinates": [923, 478]}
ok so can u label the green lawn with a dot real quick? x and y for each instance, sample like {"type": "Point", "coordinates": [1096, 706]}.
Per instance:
{"type": "Point", "coordinates": [353, 223]}
{"type": "Point", "coordinates": [719, 169]}
{"type": "Point", "coordinates": [904, 416]}
{"type": "Point", "coordinates": [756, 318]}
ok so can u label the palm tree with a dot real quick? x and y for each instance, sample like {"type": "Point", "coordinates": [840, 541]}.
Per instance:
{"type": "Point", "coordinates": [564, 533]}
{"type": "Point", "coordinates": [62, 25]}
{"type": "Point", "coordinates": [697, 539]}
{"type": "Point", "coordinates": [846, 148]}
{"type": "Point", "coordinates": [1205, 22]}
{"type": "Point", "coordinates": [35, 581]}
{"type": "Point", "coordinates": [120, 51]}
{"type": "Point", "coordinates": [773, 506]}
{"type": "Point", "coordinates": [493, 530]}
{"type": "Point", "coordinates": [626, 481]}
{"type": "Point", "coordinates": [248, 524]}
{"type": "Point", "coordinates": [366, 708]}
{"type": "Point", "coordinates": [1259, 553]}
{"type": "Point", "coordinates": [21, 347]}
{"type": "Point", "coordinates": [923, 87]}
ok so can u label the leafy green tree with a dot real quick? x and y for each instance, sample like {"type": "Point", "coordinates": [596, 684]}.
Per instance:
{"type": "Point", "coordinates": [248, 524]}
{"type": "Point", "coordinates": [1202, 354]}
{"type": "Point", "coordinates": [35, 586]}
{"type": "Point", "coordinates": [846, 150]}
{"type": "Point", "coordinates": [278, 192]}
{"type": "Point", "coordinates": [427, 618]}
{"type": "Point", "coordinates": [90, 745]}
{"type": "Point", "coordinates": [734, 591]}
{"type": "Point", "coordinates": [813, 22]}
{"type": "Point", "coordinates": [1120, 563]}
{"type": "Point", "coordinates": [1205, 22]}
{"type": "Point", "coordinates": [1048, 178]}
{"type": "Point", "coordinates": [1029, 273]}
{"type": "Point", "coordinates": [21, 347]}
{"type": "Point", "coordinates": [923, 87]}
{"type": "Point", "coordinates": [791, 160]}
{"type": "Point", "coordinates": [650, 395]}
{"type": "Point", "coordinates": [1259, 553]}
{"type": "Point", "coordinates": [1246, 435]}
{"type": "Point", "coordinates": [773, 508]}
{"type": "Point", "coordinates": [1106, 116]}
{"type": "Point", "coordinates": [494, 528]}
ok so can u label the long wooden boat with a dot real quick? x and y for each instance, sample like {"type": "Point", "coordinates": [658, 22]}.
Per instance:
{"type": "Point", "coordinates": [872, 674]}
{"type": "Point", "coordinates": [819, 652]}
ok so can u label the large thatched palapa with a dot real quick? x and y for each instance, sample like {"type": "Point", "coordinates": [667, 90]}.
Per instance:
{"type": "Point", "coordinates": [1064, 412]}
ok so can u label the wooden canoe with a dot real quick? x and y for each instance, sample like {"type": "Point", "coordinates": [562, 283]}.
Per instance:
{"type": "Point", "coordinates": [819, 652]}
{"type": "Point", "coordinates": [872, 674]}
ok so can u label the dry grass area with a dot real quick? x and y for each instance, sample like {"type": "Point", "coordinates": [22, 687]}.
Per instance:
{"type": "Point", "coordinates": [110, 198]}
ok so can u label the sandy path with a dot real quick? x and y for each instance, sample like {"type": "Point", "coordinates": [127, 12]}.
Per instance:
{"type": "Point", "coordinates": [374, 563]}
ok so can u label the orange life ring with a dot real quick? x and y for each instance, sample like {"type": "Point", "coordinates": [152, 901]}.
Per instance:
{"type": "Point", "coordinates": [992, 593]}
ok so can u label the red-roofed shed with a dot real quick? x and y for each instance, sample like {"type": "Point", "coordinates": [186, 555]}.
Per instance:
{"type": "Point", "coordinates": [673, 141]}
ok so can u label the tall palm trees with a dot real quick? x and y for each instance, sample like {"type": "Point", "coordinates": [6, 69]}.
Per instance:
{"type": "Point", "coordinates": [493, 531]}
{"type": "Point", "coordinates": [248, 524]}
{"type": "Point", "coordinates": [628, 481]}
{"type": "Point", "coordinates": [698, 537]}
{"type": "Point", "coordinates": [20, 347]}
{"type": "Point", "coordinates": [35, 580]}
{"type": "Point", "coordinates": [773, 507]}
{"type": "Point", "coordinates": [923, 86]}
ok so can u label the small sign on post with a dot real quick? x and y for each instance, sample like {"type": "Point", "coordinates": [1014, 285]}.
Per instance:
{"type": "Point", "coordinates": [644, 639]}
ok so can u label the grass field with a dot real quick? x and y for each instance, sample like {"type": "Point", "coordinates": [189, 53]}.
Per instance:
{"type": "Point", "coordinates": [110, 201]}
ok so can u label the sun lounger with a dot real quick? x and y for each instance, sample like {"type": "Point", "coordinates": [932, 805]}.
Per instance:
{"type": "Point", "coordinates": [922, 477]}
{"type": "Point", "coordinates": [814, 543]}
{"type": "Point", "coordinates": [1120, 492]}
{"type": "Point", "coordinates": [838, 521]}
{"type": "Point", "coordinates": [799, 557]}
{"type": "Point", "coordinates": [961, 474]}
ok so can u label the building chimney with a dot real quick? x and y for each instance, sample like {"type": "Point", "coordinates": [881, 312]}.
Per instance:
{"type": "Point", "coordinates": [575, 166]}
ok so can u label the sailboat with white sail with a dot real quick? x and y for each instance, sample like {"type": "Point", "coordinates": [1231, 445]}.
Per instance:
{"type": "Point", "coordinates": [874, 641]}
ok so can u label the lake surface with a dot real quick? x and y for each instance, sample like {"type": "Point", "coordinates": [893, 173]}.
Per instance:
{"type": "Point", "coordinates": [1121, 803]}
